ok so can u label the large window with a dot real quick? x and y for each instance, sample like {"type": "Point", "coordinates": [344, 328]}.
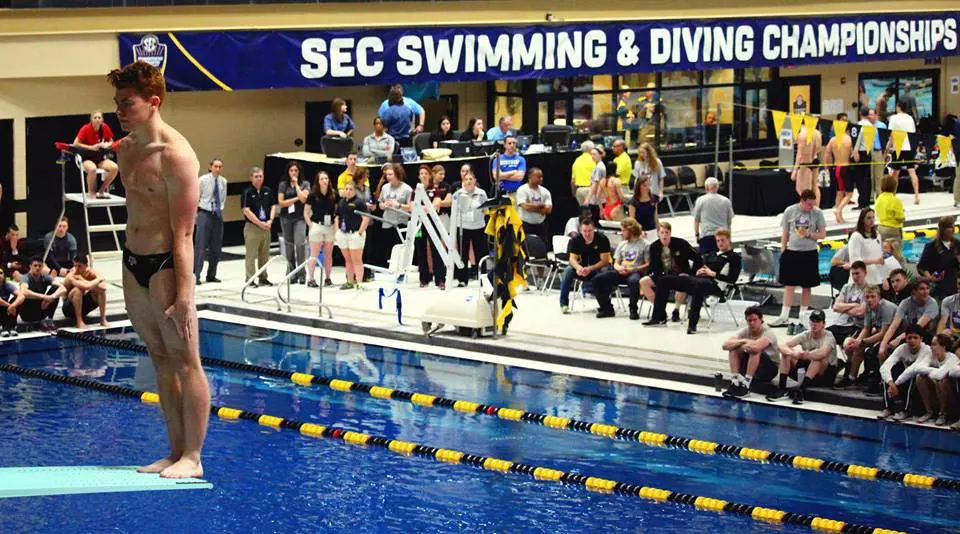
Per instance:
{"type": "Point", "coordinates": [674, 111]}
{"type": "Point", "coordinates": [917, 89]}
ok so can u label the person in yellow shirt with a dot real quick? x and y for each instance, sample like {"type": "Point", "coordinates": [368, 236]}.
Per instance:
{"type": "Point", "coordinates": [622, 159]}
{"type": "Point", "coordinates": [889, 210]}
{"type": "Point", "coordinates": [583, 166]}
{"type": "Point", "coordinates": [348, 173]}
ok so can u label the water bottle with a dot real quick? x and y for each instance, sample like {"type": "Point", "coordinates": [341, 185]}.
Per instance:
{"type": "Point", "coordinates": [573, 143]}
{"type": "Point", "coordinates": [718, 382]}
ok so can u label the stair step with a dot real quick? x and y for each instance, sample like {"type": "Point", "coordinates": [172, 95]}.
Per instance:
{"type": "Point", "coordinates": [106, 228]}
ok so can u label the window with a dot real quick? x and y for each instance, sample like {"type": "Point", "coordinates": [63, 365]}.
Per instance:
{"type": "Point", "coordinates": [918, 90]}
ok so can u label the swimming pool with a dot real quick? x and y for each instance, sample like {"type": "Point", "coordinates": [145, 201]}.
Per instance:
{"type": "Point", "coordinates": [269, 481]}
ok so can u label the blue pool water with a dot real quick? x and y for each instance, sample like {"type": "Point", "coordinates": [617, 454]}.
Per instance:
{"type": "Point", "coordinates": [279, 481]}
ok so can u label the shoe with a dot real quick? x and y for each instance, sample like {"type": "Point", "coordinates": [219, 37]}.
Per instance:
{"type": "Point", "coordinates": [691, 330]}
{"type": "Point", "coordinates": [778, 395]}
{"type": "Point", "coordinates": [797, 396]}
{"type": "Point", "coordinates": [779, 322]}
{"type": "Point", "coordinates": [214, 280]}
{"type": "Point", "coordinates": [441, 286]}
{"type": "Point", "coordinates": [47, 325]}
{"type": "Point", "coordinates": [253, 285]}
{"type": "Point", "coordinates": [565, 310]}
{"type": "Point", "coordinates": [675, 316]}
{"type": "Point", "coordinates": [737, 392]}
{"type": "Point", "coordinates": [603, 314]}
{"type": "Point", "coordinates": [885, 414]}
{"type": "Point", "coordinates": [14, 333]}
{"type": "Point", "coordinates": [634, 315]}
{"type": "Point", "coordinates": [798, 328]}
{"type": "Point", "coordinates": [357, 286]}
{"type": "Point", "coordinates": [901, 417]}
{"type": "Point", "coordinates": [312, 283]}
{"type": "Point", "coordinates": [5, 333]}
{"type": "Point", "coordinates": [941, 421]}
{"type": "Point", "coordinates": [424, 284]}
{"type": "Point", "coordinates": [655, 322]}
{"type": "Point", "coordinates": [328, 283]}
{"type": "Point", "coordinates": [844, 383]}
{"type": "Point", "coordinates": [347, 285]}
{"type": "Point", "coordinates": [925, 417]}
{"type": "Point", "coordinates": [956, 425]}
{"type": "Point", "coordinates": [302, 281]}
{"type": "Point", "coordinates": [266, 283]}
{"type": "Point", "coordinates": [368, 278]}
{"type": "Point", "coordinates": [199, 283]}
{"type": "Point", "coordinates": [461, 284]}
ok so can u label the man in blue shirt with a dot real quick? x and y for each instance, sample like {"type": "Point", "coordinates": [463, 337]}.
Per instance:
{"type": "Point", "coordinates": [513, 166]}
{"type": "Point", "coordinates": [410, 103]}
{"type": "Point", "coordinates": [502, 130]}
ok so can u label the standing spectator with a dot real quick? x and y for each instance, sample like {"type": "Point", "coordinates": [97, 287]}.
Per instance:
{"type": "Point", "coordinates": [416, 110]}
{"type": "Point", "coordinates": [598, 173]}
{"type": "Point", "coordinates": [208, 238]}
{"type": "Point", "coordinates": [711, 212]}
{"type": "Point", "coordinates": [348, 173]}
{"type": "Point", "coordinates": [292, 194]}
{"type": "Point", "coordinates": [950, 314]}
{"type": "Point", "coordinates": [877, 154]}
{"type": "Point", "coordinates": [96, 138]}
{"type": "Point", "coordinates": [850, 305]}
{"type": "Point", "coordinates": [398, 117]}
{"type": "Point", "coordinates": [642, 207]}
{"type": "Point", "coordinates": [395, 199]}
{"type": "Point", "coordinates": [631, 261]}
{"type": "Point", "coordinates": [379, 145]}
{"type": "Point", "coordinates": [649, 165]}
{"type": "Point", "coordinates": [589, 255]}
{"type": "Point", "coordinates": [513, 166]}
{"type": "Point", "coordinates": [503, 129]}
{"type": "Point", "coordinates": [338, 123]}
{"type": "Point", "coordinates": [803, 226]}
{"type": "Point", "coordinates": [899, 383]}
{"type": "Point", "coordinates": [622, 160]}
{"type": "Point", "coordinates": [428, 253]}
{"type": "Point", "coordinates": [581, 173]}
{"type": "Point", "coordinates": [862, 172]}
{"type": "Point", "coordinates": [474, 130]}
{"type": "Point", "coordinates": [319, 212]}
{"type": "Point", "coordinates": [752, 354]}
{"type": "Point", "coordinates": [669, 257]}
{"type": "Point", "coordinates": [439, 194]}
{"type": "Point", "coordinates": [86, 291]}
{"type": "Point", "coordinates": [259, 210]}
{"type": "Point", "coordinates": [864, 246]}
{"type": "Point", "coordinates": [466, 206]}
{"type": "Point", "coordinates": [535, 203]}
{"type": "Point", "coordinates": [917, 311]}
{"type": "Point", "coordinates": [11, 299]}
{"type": "Point", "coordinates": [890, 210]}
{"type": "Point", "coordinates": [444, 132]}
{"type": "Point", "coordinates": [42, 293]}
{"type": "Point", "coordinates": [878, 314]}
{"type": "Point", "coordinates": [63, 248]}
{"type": "Point", "coordinates": [941, 258]}
{"type": "Point", "coordinates": [10, 259]}
{"type": "Point", "coordinates": [903, 122]}
{"type": "Point", "coordinates": [812, 358]}
{"type": "Point", "coordinates": [352, 224]}
{"type": "Point", "coordinates": [907, 101]}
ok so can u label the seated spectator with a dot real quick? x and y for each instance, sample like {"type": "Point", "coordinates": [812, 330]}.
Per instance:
{"type": "Point", "coordinates": [63, 249]}
{"type": "Point", "coordinates": [940, 259]}
{"type": "Point", "coordinates": [11, 299]}
{"type": "Point", "coordinates": [572, 228]}
{"type": "Point", "coordinates": [849, 305]}
{"type": "Point", "coordinates": [10, 258]}
{"type": "Point", "coordinates": [840, 267]}
{"type": "Point", "coordinates": [919, 310]}
{"type": "Point", "coordinates": [631, 261]}
{"type": "Point", "coordinates": [96, 138]}
{"type": "Point", "coordinates": [720, 268]}
{"type": "Point", "coordinates": [950, 314]}
{"type": "Point", "coordinates": [535, 202]}
{"type": "Point", "coordinates": [899, 383]}
{"type": "Point", "coordinates": [338, 123]}
{"type": "Point", "coordinates": [809, 358]}
{"type": "Point", "coordinates": [444, 132]}
{"type": "Point", "coordinates": [669, 257]}
{"type": "Point", "coordinates": [503, 129]}
{"type": "Point", "coordinates": [711, 212]}
{"type": "Point", "coordinates": [42, 293]}
{"type": "Point", "coordinates": [753, 354]}
{"type": "Point", "coordinates": [379, 145]}
{"type": "Point", "coordinates": [474, 130]}
{"type": "Point", "coordinates": [898, 288]}
{"type": "Point", "coordinates": [589, 255]}
{"type": "Point", "coordinates": [892, 259]}
{"type": "Point", "coordinates": [944, 376]}
{"type": "Point", "coordinates": [878, 314]}
{"type": "Point", "coordinates": [86, 291]}
{"type": "Point", "coordinates": [936, 390]}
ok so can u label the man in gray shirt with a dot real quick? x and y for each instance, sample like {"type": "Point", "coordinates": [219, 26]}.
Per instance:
{"type": "Point", "coordinates": [711, 212]}
{"type": "Point", "coordinates": [849, 305]}
{"type": "Point", "coordinates": [535, 203]}
{"type": "Point", "coordinates": [208, 238]}
{"type": "Point", "coordinates": [803, 226]}
{"type": "Point", "coordinates": [878, 314]}
{"type": "Point", "coordinates": [919, 309]}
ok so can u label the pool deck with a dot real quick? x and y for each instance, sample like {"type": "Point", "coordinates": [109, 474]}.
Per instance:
{"type": "Point", "coordinates": [539, 334]}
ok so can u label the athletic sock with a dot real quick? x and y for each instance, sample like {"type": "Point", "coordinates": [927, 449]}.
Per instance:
{"type": "Point", "coordinates": [737, 380]}
{"type": "Point", "coordinates": [783, 381]}
{"type": "Point", "coordinates": [747, 380]}
{"type": "Point", "coordinates": [802, 381]}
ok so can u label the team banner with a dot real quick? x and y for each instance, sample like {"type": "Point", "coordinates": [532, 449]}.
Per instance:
{"type": "Point", "coordinates": [231, 60]}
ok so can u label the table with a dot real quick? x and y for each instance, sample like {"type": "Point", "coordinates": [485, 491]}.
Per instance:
{"type": "Point", "coordinates": [761, 191]}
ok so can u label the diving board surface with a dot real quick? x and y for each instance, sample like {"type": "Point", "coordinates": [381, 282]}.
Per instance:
{"type": "Point", "coordinates": [66, 480]}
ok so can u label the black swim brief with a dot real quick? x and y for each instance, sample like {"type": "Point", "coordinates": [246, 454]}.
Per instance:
{"type": "Point", "coordinates": [144, 266]}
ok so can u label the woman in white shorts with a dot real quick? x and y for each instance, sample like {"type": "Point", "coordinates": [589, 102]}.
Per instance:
{"type": "Point", "coordinates": [319, 212]}
{"type": "Point", "coordinates": [352, 224]}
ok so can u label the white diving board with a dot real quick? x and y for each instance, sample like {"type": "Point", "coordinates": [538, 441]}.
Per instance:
{"type": "Point", "coordinates": [68, 480]}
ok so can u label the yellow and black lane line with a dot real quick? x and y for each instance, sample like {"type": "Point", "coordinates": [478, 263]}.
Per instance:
{"type": "Point", "coordinates": [595, 484]}
{"type": "Point", "coordinates": [653, 439]}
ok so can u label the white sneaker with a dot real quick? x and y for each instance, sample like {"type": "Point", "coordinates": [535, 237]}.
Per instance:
{"type": "Point", "coordinates": [780, 321]}
{"type": "Point", "coordinates": [941, 421]}
{"type": "Point", "coordinates": [901, 417]}
{"type": "Point", "coordinates": [885, 414]}
{"type": "Point", "coordinates": [14, 333]}
{"type": "Point", "coordinates": [956, 425]}
{"type": "Point", "coordinates": [5, 333]}
{"type": "Point", "coordinates": [925, 417]}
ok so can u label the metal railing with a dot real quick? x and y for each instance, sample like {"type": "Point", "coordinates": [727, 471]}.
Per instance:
{"type": "Point", "coordinates": [256, 276]}
{"type": "Point", "coordinates": [287, 282]}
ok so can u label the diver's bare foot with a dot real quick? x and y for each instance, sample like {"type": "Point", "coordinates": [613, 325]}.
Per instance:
{"type": "Point", "coordinates": [156, 467]}
{"type": "Point", "coordinates": [183, 468]}
{"type": "Point", "coordinates": [81, 325]}
{"type": "Point", "coordinates": [104, 323]}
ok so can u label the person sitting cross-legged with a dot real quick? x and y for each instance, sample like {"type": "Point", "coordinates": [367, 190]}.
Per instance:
{"type": "Point", "coordinates": [753, 354]}
{"type": "Point", "coordinates": [670, 258]}
{"type": "Point", "coordinates": [589, 255]}
{"type": "Point", "coordinates": [809, 358]}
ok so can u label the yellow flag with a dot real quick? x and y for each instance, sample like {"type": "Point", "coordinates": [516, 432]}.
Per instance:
{"type": "Point", "coordinates": [796, 121]}
{"type": "Point", "coordinates": [868, 133]}
{"type": "Point", "coordinates": [944, 145]}
{"type": "Point", "coordinates": [778, 118]}
{"type": "Point", "coordinates": [898, 138]}
{"type": "Point", "coordinates": [810, 122]}
{"type": "Point", "coordinates": [839, 127]}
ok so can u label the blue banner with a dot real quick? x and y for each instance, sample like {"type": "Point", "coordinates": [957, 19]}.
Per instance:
{"type": "Point", "coordinates": [316, 58]}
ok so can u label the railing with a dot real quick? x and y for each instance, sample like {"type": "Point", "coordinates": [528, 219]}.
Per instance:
{"type": "Point", "coordinates": [256, 276]}
{"type": "Point", "coordinates": [287, 282]}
